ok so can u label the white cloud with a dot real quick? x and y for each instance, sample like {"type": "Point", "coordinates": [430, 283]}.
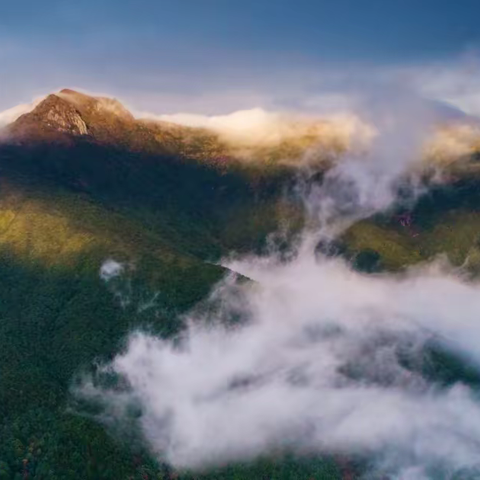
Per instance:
{"type": "Point", "coordinates": [111, 269]}
{"type": "Point", "coordinates": [454, 82]}
{"type": "Point", "coordinates": [318, 366]}
{"type": "Point", "coordinates": [258, 127]}
{"type": "Point", "coordinates": [453, 141]}
{"type": "Point", "coordinates": [349, 117]}
{"type": "Point", "coordinates": [10, 115]}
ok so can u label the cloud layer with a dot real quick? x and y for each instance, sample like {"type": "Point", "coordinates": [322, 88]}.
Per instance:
{"type": "Point", "coordinates": [10, 115]}
{"type": "Point", "coordinates": [257, 127]}
{"type": "Point", "coordinates": [329, 362]}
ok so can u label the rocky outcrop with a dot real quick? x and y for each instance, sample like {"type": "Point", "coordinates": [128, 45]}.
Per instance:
{"type": "Point", "coordinates": [52, 115]}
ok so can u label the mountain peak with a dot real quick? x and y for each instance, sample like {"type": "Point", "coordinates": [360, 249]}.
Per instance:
{"type": "Point", "coordinates": [53, 114]}
{"type": "Point", "coordinates": [68, 114]}
{"type": "Point", "coordinates": [100, 105]}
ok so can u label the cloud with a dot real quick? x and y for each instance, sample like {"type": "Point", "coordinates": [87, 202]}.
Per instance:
{"type": "Point", "coordinates": [454, 82]}
{"type": "Point", "coordinates": [317, 88]}
{"type": "Point", "coordinates": [321, 365]}
{"type": "Point", "coordinates": [111, 269]}
{"type": "Point", "coordinates": [258, 127]}
{"type": "Point", "coordinates": [10, 115]}
{"type": "Point", "coordinates": [452, 142]}
{"type": "Point", "coordinates": [116, 276]}
{"type": "Point", "coordinates": [332, 121]}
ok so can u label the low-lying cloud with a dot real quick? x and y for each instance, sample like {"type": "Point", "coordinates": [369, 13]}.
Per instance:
{"type": "Point", "coordinates": [258, 127]}
{"type": "Point", "coordinates": [351, 129]}
{"type": "Point", "coordinates": [328, 361]}
{"type": "Point", "coordinates": [452, 142]}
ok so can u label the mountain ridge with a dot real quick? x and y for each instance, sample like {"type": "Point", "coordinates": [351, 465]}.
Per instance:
{"type": "Point", "coordinates": [66, 116]}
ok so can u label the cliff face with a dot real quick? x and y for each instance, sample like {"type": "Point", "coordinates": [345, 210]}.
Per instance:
{"type": "Point", "coordinates": [53, 117]}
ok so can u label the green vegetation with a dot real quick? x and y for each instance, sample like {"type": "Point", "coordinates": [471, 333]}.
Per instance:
{"type": "Point", "coordinates": [445, 222]}
{"type": "Point", "coordinates": [63, 212]}
{"type": "Point", "coordinates": [285, 467]}
{"type": "Point", "coordinates": [57, 316]}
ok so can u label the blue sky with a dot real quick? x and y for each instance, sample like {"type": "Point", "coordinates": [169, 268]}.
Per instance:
{"type": "Point", "coordinates": [178, 53]}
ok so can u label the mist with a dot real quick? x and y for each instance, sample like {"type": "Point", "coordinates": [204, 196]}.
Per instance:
{"type": "Point", "coordinates": [329, 361]}
{"type": "Point", "coordinates": [324, 360]}
{"type": "Point", "coordinates": [10, 115]}
{"type": "Point", "coordinates": [259, 127]}
{"type": "Point", "coordinates": [327, 126]}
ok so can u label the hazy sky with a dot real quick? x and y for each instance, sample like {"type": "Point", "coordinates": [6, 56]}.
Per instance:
{"type": "Point", "coordinates": [220, 54]}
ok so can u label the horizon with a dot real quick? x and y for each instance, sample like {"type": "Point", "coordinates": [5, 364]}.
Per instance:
{"type": "Point", "coordinates": [325, 106]}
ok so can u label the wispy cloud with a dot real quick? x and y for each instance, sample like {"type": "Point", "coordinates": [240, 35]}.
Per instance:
{"type": "Point", "coordinates": [315, 368]}
{"type": "Point", "coordinates": [10, 115]}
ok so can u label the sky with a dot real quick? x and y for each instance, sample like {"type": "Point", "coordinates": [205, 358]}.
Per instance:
{"type": "Point", "coordinates": [215, 56]}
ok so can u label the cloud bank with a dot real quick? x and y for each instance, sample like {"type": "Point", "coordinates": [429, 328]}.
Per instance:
{"type": "Point", "coordinates": [258, 127]}
{"type": "Point", "coordinates": [338, 124]}
{"type": "Point", "coordinates": [329, 361]}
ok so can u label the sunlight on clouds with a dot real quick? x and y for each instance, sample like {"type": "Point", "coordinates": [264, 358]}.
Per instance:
{"type": "Point", "coordinates": [10, 115]}
{"type": "Point", "coordinates": [262, 128]}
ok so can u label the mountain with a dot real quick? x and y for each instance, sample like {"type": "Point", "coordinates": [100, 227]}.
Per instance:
{"type": "Point", "coordinates": [96, 147]}
{"type": "Point", "coordinates": [67, 116]}
{"type": "Point", "coordinates": [84, 185]}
